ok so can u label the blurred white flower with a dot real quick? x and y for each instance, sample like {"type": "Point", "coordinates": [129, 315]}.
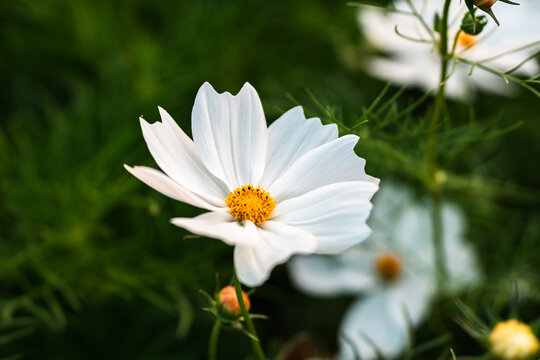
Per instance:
{"type": "Point", "coordinates": [294, 187]}
{"type": "Point", "coordinates": [418, 64]}
{"type": "Point", "coordinates": [394, 271]}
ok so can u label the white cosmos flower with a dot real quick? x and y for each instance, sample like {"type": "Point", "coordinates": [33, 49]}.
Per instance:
{"type": "Point", "coordinates": [294, 187]}
{"type": "Point", "coordinates": [394, 271]}
{"type": "Point", "coordinates": [418, 64]}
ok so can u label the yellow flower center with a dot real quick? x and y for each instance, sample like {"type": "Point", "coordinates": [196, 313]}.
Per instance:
{"type": "Point", "coordinates": [512, 340]}
{"type": "Point", "coordinates": [388, 266]}
{"type": "Point", "coordinates": [465, 40]}
{"type": "Point", "coordinates": [250, 203]}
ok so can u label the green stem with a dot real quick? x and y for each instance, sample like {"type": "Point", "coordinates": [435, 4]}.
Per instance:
{"type": "Point", "coordinates": [212, 346]}
{"type": "Point", "coordinates": [443, 51]}
{"type": "Point", "coordinates": [504, 75]}
{"type": "Point", "coordinates": [250, 328]}
{"type": "Point", "coordinates": [431, 156]}
{"type": "Point", "coordinates": [438, 241]}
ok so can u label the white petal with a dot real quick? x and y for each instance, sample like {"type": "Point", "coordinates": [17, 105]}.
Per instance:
{"type": "Point", "coordinates": [327, 164]}
{"type": "Point", "coordinates": [335, 214]}
{"type": "Point", "coordinates": [369, 318]}
{"type": "Point", "coordinates": [176, 155]}
{"type": "Point", "coordinates": [165, 185]}
{"type": "Point", "coordinates": [461, 260]}
{"type": "Point", "coordinates": [333, 275]}
{"type": "Point", "coordinates": [290, 137]}
{"type": "Point", "coordinates": [230, 134]}
{"type": "Point", "coordinates": [416, 63]}
{"type": "Point", "coordinates": [412, 292]}
{"type": "Point", "coordinates": [375, 25]}
{"type": "Point", "coordinates": [412, 232]}
{"type": "Point", "coordinates": [277, 243]}
{"type": "Point", "coordinates": [221, 225]}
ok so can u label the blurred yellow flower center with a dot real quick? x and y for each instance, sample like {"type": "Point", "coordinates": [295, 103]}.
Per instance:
{"type": "Point", "coordinates": [388, 266]}
{"type": "Point", "coordinates": [250, 203]}
{"type": "Point", "coordinates": [465, 40]}
{"type": "Point", "coordinates": [512, 340]}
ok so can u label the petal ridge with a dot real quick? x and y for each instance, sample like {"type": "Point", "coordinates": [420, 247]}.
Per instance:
{"type": "Point", "coordinates": [175, 154]}
{"type": "Point", "coordinates": [330, 163]}
{"type": "Point", "coordinates": [230, 134]}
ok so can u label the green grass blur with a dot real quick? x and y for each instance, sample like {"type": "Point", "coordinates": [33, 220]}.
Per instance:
{"type": "Point", "coordinates": [91, 268]}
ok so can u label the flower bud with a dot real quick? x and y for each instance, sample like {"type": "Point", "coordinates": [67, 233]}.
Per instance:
{"type": "Point", "coordinates": [228, 305]}
{"type": "Point", "coordinates": [473, 26]}
{"type": "Point", "coordinates": [484, 3]}
{"type": "Point", "coordinates": [512, 340]}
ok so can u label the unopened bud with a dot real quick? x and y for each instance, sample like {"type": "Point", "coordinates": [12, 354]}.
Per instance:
{"type": "Point", "coordinates": [512, 340]}
{"type": "Point", "coordinates": [228, 304]}
{"type": "Point", "coordinates": [484, 3]}
{"type": "Point", "coordinates": [473, 26]}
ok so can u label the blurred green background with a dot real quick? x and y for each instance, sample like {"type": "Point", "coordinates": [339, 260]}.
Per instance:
{"type": "Point", "coordinates": [91, 268]}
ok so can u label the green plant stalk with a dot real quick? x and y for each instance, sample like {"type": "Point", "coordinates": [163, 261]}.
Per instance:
{"type": "Point", "coordinates": [212, 346]}
{"type": "Point", "coordinates": [250, 328]}
{"type": "Point", "coordinates": [431, 156]}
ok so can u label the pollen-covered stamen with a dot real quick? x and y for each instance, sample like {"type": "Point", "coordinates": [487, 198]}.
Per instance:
{"type": "Point", "coordinates": [250, 203]}
{"type": "Point", "coordinates": [465, 40]}
{"type": "Point", "coordinates": [388, 266]}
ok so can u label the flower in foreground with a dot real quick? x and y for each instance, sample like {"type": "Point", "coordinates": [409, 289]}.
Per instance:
{"type": "Point", "coordinates": [418, 64]}
{"type": "Point", "coordinates": [294, 187]}
{"type": "Point", "coordinates": [513, 340]}
{"type": "Point", "coordinates": [394, 271]}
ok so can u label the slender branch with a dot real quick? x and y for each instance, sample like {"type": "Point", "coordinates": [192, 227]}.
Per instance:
{"type": "Point", "coordinates": [431, 156]}
{"type": "Point", "coordinates": [212, 346]}
{"type": "Point", "coordinates": [438, 240]}
{"type": "Point", "coordinates": [421, 19]}
{"type": "Point", "coordinates": [410, 38]}
{"type": "Point", "coordinates": [505, 76]}
{"type": "Point", "coordinates": [454, 43]}
{"type": "Point", "coordinates": [255, 344]}
{"type": "Point", "coordinates": [535, 43]}
{"type": "Point", "coordinates": [532, 56]}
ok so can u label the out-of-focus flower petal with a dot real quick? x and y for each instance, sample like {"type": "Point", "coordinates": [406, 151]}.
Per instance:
{"type": "Point", "coordinates": [411, 295]}
{"type": "Point", "coordinates": [418, 63]}
{"type": "Point", "coordinates": [368, 325]}
{"type": "Point", "coordinates": [461, 260]}
{"type": "Point", "coordinates": [334, 275]}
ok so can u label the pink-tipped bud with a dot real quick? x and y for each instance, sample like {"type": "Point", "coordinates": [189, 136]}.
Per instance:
{"type": "Point", "coordinates": [228, 302]}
